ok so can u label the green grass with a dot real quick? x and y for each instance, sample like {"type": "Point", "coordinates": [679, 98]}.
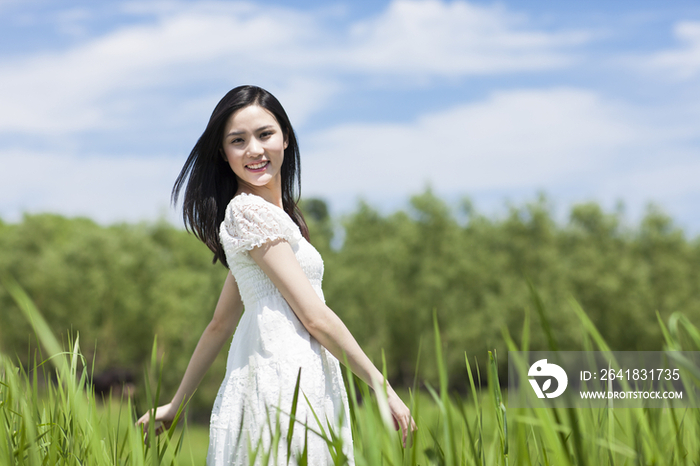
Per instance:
{"type": "Point", "coordinates": [48, 416]}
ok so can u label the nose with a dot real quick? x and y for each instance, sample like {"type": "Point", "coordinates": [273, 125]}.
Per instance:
{"type": "Point", "coordinates": [255, 148]}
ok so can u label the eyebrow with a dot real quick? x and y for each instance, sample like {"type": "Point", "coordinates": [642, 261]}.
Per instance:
{"type": "Point", "coordinates": [238, 133]}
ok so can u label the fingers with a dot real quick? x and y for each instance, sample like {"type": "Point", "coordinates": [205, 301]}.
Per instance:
{"type": "Point", "coordinates": [414, 427]}
{"type": "Point", "coordinates": [408, 426]}
{"type": "Point", "coordinates": [143, 420]}
{"type": "Point", "coordinates": [406, 429]}
{"type": "Point", "coordinates": [404, 432]}
{"type": "Point", "coordinates": [404, 421]}
{"type": "Point", "coordinates": [160, 426]}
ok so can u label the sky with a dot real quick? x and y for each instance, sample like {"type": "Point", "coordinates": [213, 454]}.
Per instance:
{"type": "Point", "coordinates": [101, 101]}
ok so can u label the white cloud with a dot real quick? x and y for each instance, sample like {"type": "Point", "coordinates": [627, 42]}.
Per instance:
{"type": "Point", "coordinates": [434, 38]}
{"type": "Point", "coordinates": [105, 189]}
{"type": "Point", "coordinates": [573, 144]}
{"type": "Point", "coordinates": [684, 61]}
{"type": "Point", "coordinates": [670, 180]}
{"type": "Point", "coordinates": [667, 180]}
{"type": "Point", "coordinates": [515, 139]}
{"type": "Point", "coordinates": [569, 142]}
{"type": "Point", "coordinates": [163, 72]}
{"type": "Point", "coordinates": [101, 83]}
{"type": "Point", "coordinates": [109, 81]}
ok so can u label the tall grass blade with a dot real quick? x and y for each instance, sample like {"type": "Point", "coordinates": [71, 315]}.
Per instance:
{"type": "Point", "coordinates": [544, 322]}
{"type": "Point", "coordinates": [292, 417]}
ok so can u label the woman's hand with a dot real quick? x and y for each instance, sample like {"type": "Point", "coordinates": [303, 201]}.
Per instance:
{"type": "Point", "coordinates": [226, 316]}
{"type": "Point", "coordinates": [278, 261]}
{"type": "Point", "coordinates": [402, 417]}
{"type": "Point", "coordinates": [164, 414]}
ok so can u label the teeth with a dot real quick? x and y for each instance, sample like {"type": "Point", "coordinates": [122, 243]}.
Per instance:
{"type": "Point", "coordinates": [257, 165]}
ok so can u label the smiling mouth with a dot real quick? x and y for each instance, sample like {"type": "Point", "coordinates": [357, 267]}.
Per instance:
{"type": "Point", "coordinates": [258, 166]}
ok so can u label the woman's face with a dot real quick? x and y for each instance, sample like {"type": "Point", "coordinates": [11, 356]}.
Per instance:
{"type": "Point", "coordinates": [254, 147]}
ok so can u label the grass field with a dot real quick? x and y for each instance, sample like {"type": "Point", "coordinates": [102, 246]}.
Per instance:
{"type": "Point", "coordinates": [61, 422]}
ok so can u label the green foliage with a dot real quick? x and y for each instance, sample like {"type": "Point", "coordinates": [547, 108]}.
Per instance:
{"type": "Point", "coordinates": [121, 285]}
{"type": "Point", "coordinates": [393, 270]}
{"type": "Point", "coordinates": [61, 423]}
{"type": "Point", "coordinates": [52, 417]}
{"type": "Point", "coordinates": [117, 286]}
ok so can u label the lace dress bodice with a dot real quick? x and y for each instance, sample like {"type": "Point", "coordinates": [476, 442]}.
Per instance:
{"type": "Point", "coordinates": [251, 222]}
{"type": "Point", "coordinates": [269, 348]}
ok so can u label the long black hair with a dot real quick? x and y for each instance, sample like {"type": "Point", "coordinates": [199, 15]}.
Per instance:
{"type": "Point", "coordinates": [211, 183]}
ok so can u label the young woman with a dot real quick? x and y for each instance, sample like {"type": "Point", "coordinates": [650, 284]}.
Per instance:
{"type": "Point", "coordinates": [240, 200]}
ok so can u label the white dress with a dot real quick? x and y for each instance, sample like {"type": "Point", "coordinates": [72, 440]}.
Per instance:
{"type": "Point", "coordinates": [269, 347]}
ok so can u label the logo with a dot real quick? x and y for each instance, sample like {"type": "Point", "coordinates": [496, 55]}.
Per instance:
{"type": "Point", "coordinates": [542, 370]}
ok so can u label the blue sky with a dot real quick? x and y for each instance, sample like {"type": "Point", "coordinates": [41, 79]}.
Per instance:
{"type": "Point", "coordinates": [102, 101]}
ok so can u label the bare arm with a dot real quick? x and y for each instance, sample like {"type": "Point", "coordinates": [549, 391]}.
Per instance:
{"type": "Point", "coordinates": [278, 261]}
{"type": "Point", "coordinates": [226, 316]}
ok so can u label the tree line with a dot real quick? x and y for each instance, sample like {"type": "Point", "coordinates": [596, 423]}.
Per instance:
{"type": "Point", "coordinates": [386, 275]}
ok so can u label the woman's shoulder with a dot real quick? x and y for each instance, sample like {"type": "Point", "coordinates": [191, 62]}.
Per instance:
{"type": "Point", "coordinates": [242, 199]}
{"type": "Point", "coordinates": [251, 221]}
{"type": "Point", "coordinates": [254, 207]}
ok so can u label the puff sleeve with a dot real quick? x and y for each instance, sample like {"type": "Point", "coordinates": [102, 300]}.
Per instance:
{"type": "Point", "coordinates": [251, 221]}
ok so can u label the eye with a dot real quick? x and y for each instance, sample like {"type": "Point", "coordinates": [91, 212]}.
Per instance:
{"type": "Point", "coordinates": [236, 140]}
{"type": "Point", "coordinates": [266, 134]}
